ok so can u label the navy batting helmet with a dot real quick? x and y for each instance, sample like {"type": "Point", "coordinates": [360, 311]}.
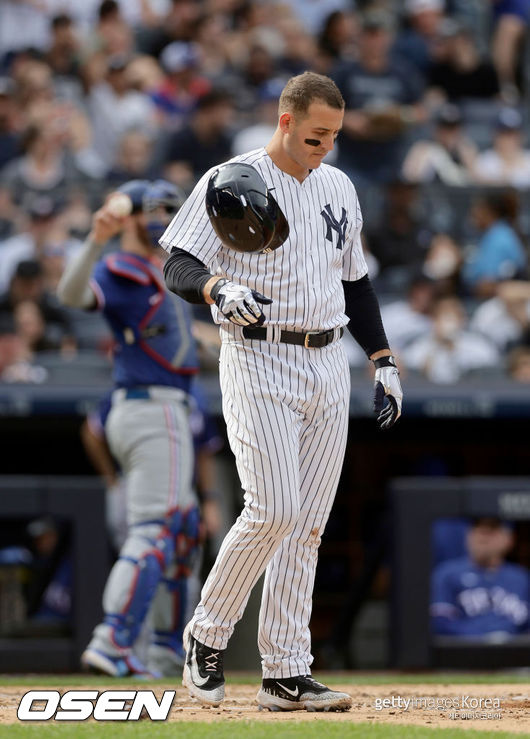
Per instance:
{"type": "Point", "coordinates": [242, 211]}
{"type": "Point", "coordinates": [159, 201]}
{"type": "Point", "coordinates": [136, 190]}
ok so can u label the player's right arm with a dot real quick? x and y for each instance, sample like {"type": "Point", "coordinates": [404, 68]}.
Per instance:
{"type": "Point", "coordinates": [193, 245]}
{"type": "Point", "coordinates": [74, 287]}
{"type": "Point", "coordinates": [188, 277]}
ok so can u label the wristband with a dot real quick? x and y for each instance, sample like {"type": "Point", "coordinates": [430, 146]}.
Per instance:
{"type": "Point", "coordinates": [387, 361]}
{"type": "Point", "coordinates": [214, 292]}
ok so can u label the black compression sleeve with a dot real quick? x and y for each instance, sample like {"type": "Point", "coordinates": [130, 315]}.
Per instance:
{"type": "Point", "coordinates": [186, 275]}
{"type": "Point", "coordinates": [362, 308]}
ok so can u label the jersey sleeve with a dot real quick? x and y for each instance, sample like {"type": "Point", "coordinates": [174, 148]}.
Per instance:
{"type": "Point", "coordinates": [353, 262]}
{"type": "Point", "coordinates": [444, 610]}
{"type": "Point", "coordinates": [191, 229]}
{"type": "Point", "coordinates": [101, 284]}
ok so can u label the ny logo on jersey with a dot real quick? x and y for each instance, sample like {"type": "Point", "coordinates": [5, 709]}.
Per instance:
{"type": "Point", "coordinates": [334, 225]}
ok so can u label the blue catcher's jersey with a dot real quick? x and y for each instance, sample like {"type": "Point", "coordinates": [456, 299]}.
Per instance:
{"type": "Point", "coordinates": [152, 328]}
{"type": "Point", "coordinates": [468, 600]}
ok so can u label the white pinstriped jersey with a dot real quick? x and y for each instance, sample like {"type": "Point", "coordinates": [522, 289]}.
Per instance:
{"type": "Point", "coordinates": [303, 277]}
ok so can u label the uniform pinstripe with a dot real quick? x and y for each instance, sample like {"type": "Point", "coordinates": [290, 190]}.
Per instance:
{"type": "Point", "coordinates": [286, 406]}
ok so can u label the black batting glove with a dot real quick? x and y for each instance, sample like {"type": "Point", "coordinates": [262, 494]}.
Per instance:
{"type": "Point", "coordinates": [387, 387]}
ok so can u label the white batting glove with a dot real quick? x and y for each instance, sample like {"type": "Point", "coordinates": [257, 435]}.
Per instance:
{"type": "Point", "coordinates": [387, 387]}
{"type": "Point", "coordinates": [239, 303]}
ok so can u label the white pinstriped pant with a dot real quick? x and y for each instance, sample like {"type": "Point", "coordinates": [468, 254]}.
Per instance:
{"type": "Point", "coordinates": [286, 409]}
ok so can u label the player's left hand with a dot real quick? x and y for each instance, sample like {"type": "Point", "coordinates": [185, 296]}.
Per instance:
{"type": "Point", "coordinates": [387, 387]}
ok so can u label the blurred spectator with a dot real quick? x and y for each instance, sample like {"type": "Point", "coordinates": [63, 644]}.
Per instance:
{"type": "Point", "coordinates": [145, 73]}
{"type": "Point", "coordinates": [178, 24]}
{"type": "Point", "coordinates": [112, 33]}
{"type": "Point", "coordinates": [399, 242]}
{"type": "Point", "coordinates": [205, 141]}
{"type": "Point", "coordinates": [16, 361]}
{"type": "Point", "coordinates": [9, 122]}
{"type": "Point", "coordinates": [336, 41]}
{"type": "Point", "coordinates": [255, 47]}
{"type": "Point", "coordinates": [519, 364]}
{"type": "Point", "coordinates": [63, 53]}
{"type": "Point", "coordinates": [46, 165]}
{"type": "Point", "coordinates": [23, 25]}
{"type": "Point", "coordinates": [498, 254]}
{"type": "Point", "coordinates": [46, 233]}
{"type": "Point", "coordinates": [11, 217]}
{"type": "Point", "coordinates": [507, 163]}
{"type": "Point", "coordinates": [443, 262]}
{"type": "Point", "coordinates": [259, 133]}
{"type": "Point", "coordinates": [505, 318]}
{"type": "Point", "coordinates": [460, 72]}
{"type": "Point", "coordinates": [49, 591]}
{"type": "Point", "coordinates": [511, 19]}
{"type": "Point", "coordinates": [299, 47]}
{"type": "Point", "coordinates": [481, 595]}
{"type": "Point", "coordinates": [77, 214]}
{"type": "Point", "coordinates": [27, 286]}
{"type": "Point", "coordinates": [407, 319]}
{"type": "Point", "coordinates": [178, 94]}
{"type": "Point", "coordinates": [144, 13]}
{"type": "Point", "coordinates": [133, 160]}
{"type": "Point", "coordinates": [31, 327]}
{"type": "Point", "coordinates": [449, 351]}
{"type": "Point", "coordinates": [33, 80]}
{"type": "Point", "coordinates": [448, 157]}
{"type": "Point", "coordinates": [257, 67]}
{"type": "Point", "coordinates": [211, 34]}
{"type": "Point", "coordinates": [417, 41]}
{"type": "Point", "coordinates": [115, 107]}
{"type": "Point", "coordinates": [313, 14]}
{"type": "Point", "coordinates": [383, 99]}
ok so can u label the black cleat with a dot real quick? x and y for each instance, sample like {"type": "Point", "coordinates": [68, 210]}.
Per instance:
{"type": "Point", "coordinates": [300, 693]}
{"type": "Point", "coordinates": [203, 671]}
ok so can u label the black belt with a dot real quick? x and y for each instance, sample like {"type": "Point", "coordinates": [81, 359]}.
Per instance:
{"type": "Point", "coordinates": [311, 339]}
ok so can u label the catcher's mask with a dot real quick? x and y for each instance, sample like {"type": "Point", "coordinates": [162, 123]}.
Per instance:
{"type": "Point", "coordinates": [242, 211]}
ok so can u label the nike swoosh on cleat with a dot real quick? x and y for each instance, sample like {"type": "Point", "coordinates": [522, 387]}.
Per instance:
{"type": "Point", "coordinates": [294, 693]}
{"type": "Point", "coordinates": [195, 676]}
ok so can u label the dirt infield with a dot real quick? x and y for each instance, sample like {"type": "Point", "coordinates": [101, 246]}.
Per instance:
{"type": "Point", "coordinates": [502, 707]}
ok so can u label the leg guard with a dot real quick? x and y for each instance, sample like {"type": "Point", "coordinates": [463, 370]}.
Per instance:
{"type": "Point", "coordinates": [170, 603]}
{"type": "Point", "coordinates": [169, 608]}
{"type": "Point", "coordinates": [131, 586]}
{"type": "Point", "coordinates": [187, 542]}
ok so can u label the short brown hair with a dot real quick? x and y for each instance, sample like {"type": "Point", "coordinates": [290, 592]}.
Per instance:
{"type": "Point", "coordinates": [304, 89]}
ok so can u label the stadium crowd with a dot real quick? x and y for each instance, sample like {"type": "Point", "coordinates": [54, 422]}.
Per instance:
{"type": "Point", "coordinates": [94, 93]}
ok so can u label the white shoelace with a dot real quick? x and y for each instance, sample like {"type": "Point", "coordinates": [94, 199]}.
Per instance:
{"type": "Point", "coordinates": [211, 662]}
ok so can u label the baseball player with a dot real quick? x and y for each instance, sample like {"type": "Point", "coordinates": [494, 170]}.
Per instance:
{"type": "Point", "coordinates": [206, 443]}
{"type": "Point", "coordinates": [147, 427]}
{"type": "Point", "coordinates": [272, 241]}
{"type": "Point", "coordinates": [481, 595]}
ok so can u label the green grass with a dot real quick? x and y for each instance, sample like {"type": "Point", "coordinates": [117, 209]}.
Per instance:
{"type": "Point", "coordinates": [332, 678]}
{"type": "Point", "coordinates": [251, 729]}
